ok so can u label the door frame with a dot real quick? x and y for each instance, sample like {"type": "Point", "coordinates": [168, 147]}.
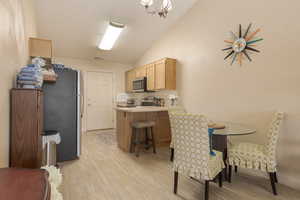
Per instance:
{"type": "Point", "coordinates": [85, 78]}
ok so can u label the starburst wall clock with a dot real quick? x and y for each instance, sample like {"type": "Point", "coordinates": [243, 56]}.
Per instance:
{"type": "Point", "coordinates": [240, 45]}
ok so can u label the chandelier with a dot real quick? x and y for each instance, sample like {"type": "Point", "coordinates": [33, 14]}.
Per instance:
{"type": "Point", "coordinates": [163, 11]}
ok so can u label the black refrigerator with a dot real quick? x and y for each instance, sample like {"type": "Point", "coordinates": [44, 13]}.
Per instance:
{"type": "Point", "coordinates": [62, 112]}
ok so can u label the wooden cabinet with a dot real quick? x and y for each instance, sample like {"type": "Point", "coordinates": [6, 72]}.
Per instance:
{"type": "Point", "coordinates": [161, 75]}
{"type": "Point", "coordinates": [150, 69]}
{"type": "Point", "coordinates": [129, 77]}
{"type": "Point", "coordinates": [26, 128]}
{"type": "Point", "coordinates": [40, 47]}
{"type": "Point", "coordinates": [162, 130]}
{"type": "Point", "coordinates": [141, 72]}
{"type": "Point", "coordinates": [165, 74]}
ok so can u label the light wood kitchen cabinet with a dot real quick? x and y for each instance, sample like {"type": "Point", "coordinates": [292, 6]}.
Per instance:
{"type": "Point", "coordinates": [162, 130]}
{"type": "Point", "coordinates": [161, 75]}
{"type": "Point", "coordinates": [40, 48]}
{"type": "Point", "coordinates": [150, 77]}
{"type": "Point", "coordinates": [129, 77]}
{"type": "Point", "coordinates": [141, 72]}
{"type": "Point", "coordinates": [165, 74]}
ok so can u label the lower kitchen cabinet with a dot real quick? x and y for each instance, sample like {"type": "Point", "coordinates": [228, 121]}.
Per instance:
{"type": "Point", "coordinates": [162, 130]}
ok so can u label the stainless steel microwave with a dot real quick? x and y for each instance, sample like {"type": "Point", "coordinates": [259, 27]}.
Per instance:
{"type": "Point", "coordinates": [140, 85]}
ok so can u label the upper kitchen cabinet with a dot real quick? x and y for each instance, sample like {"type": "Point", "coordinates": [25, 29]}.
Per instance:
{"type": "Point", "coordinates": [129, 77]}
{"type": "Point", "coordinates": [40, 48]}
{"type": "Point", "coordinates": [150, 69]}
{"type": "Point", "coordinates": [140, 72]}
{"type": "Point", "coordinates": [161, 75]}
{"type": "Point", "coordinates": [165, 74]}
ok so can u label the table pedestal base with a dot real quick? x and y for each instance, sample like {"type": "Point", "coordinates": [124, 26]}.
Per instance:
{"type": "Point", "coordinates": [219, 143]}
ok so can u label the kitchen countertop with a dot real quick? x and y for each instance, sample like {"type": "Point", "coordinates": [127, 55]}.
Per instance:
{"type": "Point", "coordinates": [142, 109]}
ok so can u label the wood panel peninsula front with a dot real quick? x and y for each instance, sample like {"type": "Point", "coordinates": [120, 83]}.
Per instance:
{"type": "Point", "coordinates": [125, 117]}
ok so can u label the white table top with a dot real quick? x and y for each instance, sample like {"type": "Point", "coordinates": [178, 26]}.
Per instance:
{"type": "Point", "coordinates": [234, 129]}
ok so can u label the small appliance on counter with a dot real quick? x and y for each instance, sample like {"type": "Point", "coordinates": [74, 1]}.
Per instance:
{"type": "Point", "coordinates": [130, 102]}
{"type": "Point", "coordinates": [123, 100]}
{"type": "Point", "coordinates": [148, 101]}
{"type": "Point", "coordinates": [159, 101]}
{"type": "Point", "coordinates": [153, 101]}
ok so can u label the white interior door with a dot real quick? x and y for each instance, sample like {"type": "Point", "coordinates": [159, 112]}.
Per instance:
{"type": "Point", "coordinates": [99, 100]}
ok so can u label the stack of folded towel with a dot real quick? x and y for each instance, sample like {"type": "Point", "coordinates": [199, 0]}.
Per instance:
{"type": "Point", "coordinates": [30, 77]}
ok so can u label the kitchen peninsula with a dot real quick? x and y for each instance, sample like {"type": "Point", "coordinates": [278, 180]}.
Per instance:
{"type": "Point", "coordinates": [125, 117]}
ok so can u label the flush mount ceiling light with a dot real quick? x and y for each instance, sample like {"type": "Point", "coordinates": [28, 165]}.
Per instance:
{"type": "Point", "coordinates": [165, 8]}
{"type": "Point", "coordinates": [111, 35]}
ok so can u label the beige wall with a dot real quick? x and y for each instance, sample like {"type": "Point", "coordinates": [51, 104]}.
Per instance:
{"type": "Point", "coordinates": [247, 94]}
{"type": "Point", "coordinates": [17, 23]}
{"type": "Point", "coordinates": [117, 69]}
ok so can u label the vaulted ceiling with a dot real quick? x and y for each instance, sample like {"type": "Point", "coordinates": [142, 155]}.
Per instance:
{"type": "Point", "coordinates": [77, 26]}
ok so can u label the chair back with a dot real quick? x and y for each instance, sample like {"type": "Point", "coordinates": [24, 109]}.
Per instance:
{"type": "Point", "coordinates": [273, 134]}
{"type": "Point", "coordinates": [175, 109]}
{"type": "Point", "coordinates": [191, 144]}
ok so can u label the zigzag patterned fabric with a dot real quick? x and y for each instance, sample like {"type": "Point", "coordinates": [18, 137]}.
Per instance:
{"type": "Point", "coordinates": [255, 156]}
{"type": "Point", "coordinates": [175, 110]}
{"type": "Point", "coordinates": [191, 145]}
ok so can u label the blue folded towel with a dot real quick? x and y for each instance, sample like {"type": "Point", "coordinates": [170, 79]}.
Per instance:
{"type": "Point", "coordinates": [21, 75]}
{"type": "Point", "coordinates": [27, 78]}
{"type": "Point", "coordinates": [29, 86]}
{"type": "Point", "coordinates": [28, 82]}
{"type": "Point", "coordinates": [29, 70]}
{"type": "Point", "coordinates": [31, 65]}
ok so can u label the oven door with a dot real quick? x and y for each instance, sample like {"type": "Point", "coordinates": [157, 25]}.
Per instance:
{"type": "Point", "coordinates": [139, 85]}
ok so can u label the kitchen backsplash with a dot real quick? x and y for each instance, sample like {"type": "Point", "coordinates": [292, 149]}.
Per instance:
{"type": "Point", "coordinates": [161, 94]}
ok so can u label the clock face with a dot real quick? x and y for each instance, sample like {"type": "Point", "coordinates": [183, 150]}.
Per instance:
{"type": "Point", "coordinates": [239, 45]}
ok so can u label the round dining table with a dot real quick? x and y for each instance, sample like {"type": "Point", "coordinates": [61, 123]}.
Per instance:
{"type": "Point", "coordinates": [220, 137]}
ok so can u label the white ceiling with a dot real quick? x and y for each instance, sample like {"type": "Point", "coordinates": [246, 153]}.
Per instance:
{"type": "Point", "coordinates": [77, 26]}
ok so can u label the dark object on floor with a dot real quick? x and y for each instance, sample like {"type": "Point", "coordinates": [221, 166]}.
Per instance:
{"type": "Point", "coordinates": [26, 128]}
{"type": "Point", "coordinates": [24, 184]}
{"type": "Point", "coordinates": [137, 132]}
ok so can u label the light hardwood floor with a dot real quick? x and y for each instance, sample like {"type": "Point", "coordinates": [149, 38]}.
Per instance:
{"type": "Point", "coordinates": [104, 172]}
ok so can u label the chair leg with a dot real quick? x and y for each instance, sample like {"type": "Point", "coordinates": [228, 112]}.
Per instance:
{"type": "Point", "coordinates": [137, 144]}
{"type": "Point", "coordinates": [236, 169]}
{"type": "Point", "coordinates": [172, 155]}
{"type": "Point", "coordinates": [275, 175]}
{"type": "Point", "coordinates": [175, 182]}
{"type": "Point", "coordinates": [272, 179]}
{"type": "Point", "coordinates": [220, 179]}
{"type": "Point", "coordinates": [146, 139]}
{"type": "Point", "coordinates": [206, 195]}
{"type": "Point", "coordinates": [132, 145]}
{"type": "Point", "coordinates": [230, 173]}
{"type": "Point", "coordinates": [153, 140]}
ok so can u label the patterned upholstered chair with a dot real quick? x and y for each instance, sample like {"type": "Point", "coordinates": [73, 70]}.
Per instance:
{"type": "Point", "coordinates": [177, 109]}
{"type": "Point", "coordinates": [192, 153]}
{"type": "Point", "coordinates": [260, 157]}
